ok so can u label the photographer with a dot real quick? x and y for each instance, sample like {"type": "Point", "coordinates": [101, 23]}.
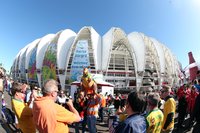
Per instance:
{"type": "Point", "coordinates": [50, 117]}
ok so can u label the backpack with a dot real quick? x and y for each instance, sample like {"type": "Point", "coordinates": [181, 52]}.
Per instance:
{"type": "Point", "coordinates": [8, 115]}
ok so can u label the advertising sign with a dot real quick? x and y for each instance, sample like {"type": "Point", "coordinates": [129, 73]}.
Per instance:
{"type": "Point", "coordinates": [80, 60]}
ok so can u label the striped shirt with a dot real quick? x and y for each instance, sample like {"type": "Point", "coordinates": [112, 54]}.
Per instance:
{"type": "Point", "coordinates": [93, 105]}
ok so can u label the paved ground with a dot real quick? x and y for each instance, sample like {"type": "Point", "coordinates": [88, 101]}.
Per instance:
{"type": "Point", "coordinates": [4, 127]}
{"type": "Point", "coordinates": [102, 128]}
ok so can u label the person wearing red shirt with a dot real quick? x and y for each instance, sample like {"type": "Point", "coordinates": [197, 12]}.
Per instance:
{"type": "Point", "coordinates": [182, 105]}
{"type": "Point", "coordinates": [191, 102]}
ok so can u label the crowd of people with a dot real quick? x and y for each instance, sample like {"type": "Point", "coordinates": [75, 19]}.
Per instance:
{"type": "Point", "coordinates": [189, 105]}
{"type": "Point", "coordinates": [50, 110]}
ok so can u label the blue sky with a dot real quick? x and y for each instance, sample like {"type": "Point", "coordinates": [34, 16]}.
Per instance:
{"type": "Point", "coordinates": [175, 23]}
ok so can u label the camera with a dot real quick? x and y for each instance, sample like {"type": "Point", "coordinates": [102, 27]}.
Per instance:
{"type": "Point", "coordinates": [67, 100]}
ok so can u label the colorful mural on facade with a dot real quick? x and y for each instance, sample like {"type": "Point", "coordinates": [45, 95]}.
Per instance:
{"type": "Point", "coordinates": [80, 60]}
{"type": "Point", "coordinates": [32, 72]}
{"type": "Point", "coordinates": [49, 63]}
{"type": "Point", "coordinates": [22, 67]}
{"type": "Point", "coordinates": [13, 68]}
{"type": "Point", "coordinates": [17, 67]}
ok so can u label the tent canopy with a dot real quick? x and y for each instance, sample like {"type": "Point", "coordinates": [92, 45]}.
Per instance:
{"type": "Point", "coordinates": [98, 78]}
{"type": "Point", "coordinates": [102, 83]}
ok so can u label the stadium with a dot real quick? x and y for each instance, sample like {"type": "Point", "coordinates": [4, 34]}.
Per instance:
{"type": "Point", "coordinates": [127, 61]}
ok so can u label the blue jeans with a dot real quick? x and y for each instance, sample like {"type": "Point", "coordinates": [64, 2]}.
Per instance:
{"type": "Point", "coordinates": [84, 122]}
{"type": "Point", "coordinates": [101, 113]}
{"type": "Point", "coordinates": [91, 122]}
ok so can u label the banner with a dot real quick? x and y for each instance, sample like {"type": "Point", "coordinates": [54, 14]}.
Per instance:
{"type": "Point", "coordinates": [80, 60]}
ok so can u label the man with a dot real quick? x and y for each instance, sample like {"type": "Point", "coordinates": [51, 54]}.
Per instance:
{"type": "Point", "coordinates": [182, 105]}
{"type": "Point", "coordinates": [169, 110]}
{"type": "Point", "coordinates": [50, 117]}
{"type": "Point", "coordinates": [102, 108]}
{"type": "Point", "coordinates": [191, 104]}
{"type": "Point", "coordinates": [117, 101]}
{"type": "Point", "coordinates": [23, 112]}
{"type": "Point", "coordinates": [135, 123]}
{"type": "Point", "coordinates": [94, 101]}
{"type": "Point", "coordinates": [155, 116]}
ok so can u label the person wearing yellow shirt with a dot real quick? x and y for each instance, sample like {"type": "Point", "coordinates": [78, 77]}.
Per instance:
{"type": "Point", "coordinates": [23, 112]}
{"type": "Point", "coordinates": [155, 116]}
{"type": "Point", "coordinates": [168, 110]}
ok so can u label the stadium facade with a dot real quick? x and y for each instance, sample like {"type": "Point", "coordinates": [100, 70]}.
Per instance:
{"type": "Point", "coordinates": [126, 60]}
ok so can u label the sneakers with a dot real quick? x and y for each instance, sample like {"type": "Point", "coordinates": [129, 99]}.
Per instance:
{"type": "Point", "coordinates": [102, 123]}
